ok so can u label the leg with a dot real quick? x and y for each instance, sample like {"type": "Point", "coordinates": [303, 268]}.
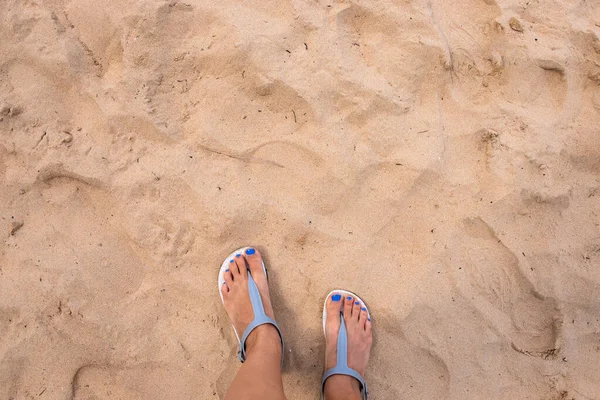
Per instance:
{"type": "Point", "coordinates": [260, 376]}
{"type": "Point", "coordinates": [358, 329]}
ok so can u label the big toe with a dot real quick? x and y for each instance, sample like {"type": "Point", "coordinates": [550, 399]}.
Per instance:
{"type": "Point", "coordinates": [334, 306]}
{"type": "Point", "coordinates": [255, 263]}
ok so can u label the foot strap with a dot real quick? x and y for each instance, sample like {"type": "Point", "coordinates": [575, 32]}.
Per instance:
{"type": "Point", "coordinates": [260, 318]}
{"type": "Point", "coordinates": [341, 365]}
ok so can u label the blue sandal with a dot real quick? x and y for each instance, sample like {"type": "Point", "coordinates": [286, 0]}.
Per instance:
{"type": "Point", "coordinates": [260, 318]}
{"type": "Point", "coordinates": [341, 365]}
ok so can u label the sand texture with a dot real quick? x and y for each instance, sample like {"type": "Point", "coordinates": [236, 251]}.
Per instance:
{"type": "Point", "coordinates": [440, 158]}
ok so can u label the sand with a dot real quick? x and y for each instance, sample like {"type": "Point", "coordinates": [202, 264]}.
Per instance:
{"type": "Point", "coordinates": [439, 158]}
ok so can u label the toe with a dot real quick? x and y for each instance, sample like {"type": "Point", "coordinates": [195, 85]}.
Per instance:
{"type": "Point", "coordinates": [240, 263]}
{"type": "Point", "coordinates": [362, 319]}
{"type": "Point", "coordinates": [369, 331]}
{"type": "Point", "coordinates": [348, 303]}
{"type": "Point", "coordinates": [224, 289]}
{"type": "Point", "coordinates": [233, 269]}
{"type": "Point", "coordinates": [333, 306]}
{"type": "Point", "coordinates": [255, 263]}
{"type": "Point", "coordinates": [356, 310]}
{"type": "Point", "coordinates": [239, 258]}
{"type": "Point", "coordinates": [228, 277]}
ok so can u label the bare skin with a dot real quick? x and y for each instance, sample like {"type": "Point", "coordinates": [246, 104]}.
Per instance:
{"type": "Point", "coordinates": [360, 338]}
{"type": "Point", "coordinates": [260, 376]}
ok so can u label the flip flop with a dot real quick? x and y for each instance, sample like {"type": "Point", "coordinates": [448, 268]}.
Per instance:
{"type": "Point", "coordinates": [341, 365]}
{"type": "Point", "coordinates": [260, 318]}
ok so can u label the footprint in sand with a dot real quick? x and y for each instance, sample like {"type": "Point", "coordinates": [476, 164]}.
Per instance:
{"type": "Point", "coordinates": [256, 99]}
{"type": "Point", "coordinates": [490, 276]}
{"type": "Point", "coordinates": [373, 38]}
{"type": "Point", "coordinates": [164, 233]}
{"type": "Point", "coordinates": [582, 352]}
{"type": "Point", "coordinates": [280, 168]}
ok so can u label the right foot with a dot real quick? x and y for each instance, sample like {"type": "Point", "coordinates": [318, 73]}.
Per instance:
{"type": "Point", "coordinates": [360, 338]}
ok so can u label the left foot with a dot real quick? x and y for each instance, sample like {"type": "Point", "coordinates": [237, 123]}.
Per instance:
{"type": "Point", "coordinates": [237, 298]}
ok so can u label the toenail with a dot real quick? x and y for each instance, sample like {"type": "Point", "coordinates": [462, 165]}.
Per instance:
{"type": "Point", "coordinates": [364, 309]}
{"type": "Point", "coordinates": [336, 297]}
{"type": "Point", "coordinates": [227, 270]}
{"type": "Point", "coordinates": [368, 319]}
{"type": "Point", "coordinates": [238, 255]}
{"type": "Point", "coordinates": [357, 302]}
{"type": "Point", "coordinates": [230, 261]}
{"type": "Point", "coordinates": [348, 298]}
{"type": "Point", "coordinates": [250, 251]}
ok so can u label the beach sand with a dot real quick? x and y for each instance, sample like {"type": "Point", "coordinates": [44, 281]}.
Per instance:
{"type": "Point", "coordinates": [439, 158]}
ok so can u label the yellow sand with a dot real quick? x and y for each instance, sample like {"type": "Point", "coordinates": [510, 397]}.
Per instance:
{"type": "Point", "coordinates": [439, 158]}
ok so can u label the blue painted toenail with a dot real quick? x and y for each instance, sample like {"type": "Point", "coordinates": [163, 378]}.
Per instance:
{"type": "Point", "coordinates": [368, 319]}
{"type": "Point", "coordinates": [230, 261]}
{"type": "Point", "coordinates": [238, 255]}
{"type": "Point", "coordinates": [364, 309]}
{"type": "Point", "coordinates": [336, 297]}
{"type": "Point", "coordinates": [227, 270]}
{"type": "Point", "coordinates": [348, 298]}
{"type": "Point", "coordinates": [356, 302]}
{"type": "Point", "coordinates": [250, 251]}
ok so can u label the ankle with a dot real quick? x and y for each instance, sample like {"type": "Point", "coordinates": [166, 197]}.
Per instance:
{"type": "Point", "coordinates": [342, 387]}
{"type": "Point", "coordinates": [264, 338]}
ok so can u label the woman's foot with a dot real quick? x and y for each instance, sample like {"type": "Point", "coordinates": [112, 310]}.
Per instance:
{"type": "Point", "coordinates": [260, 376]}
{"type": "Point", "coordinates": [237, 298]}
{"type": "Point", "coordinates": [360, 338]}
